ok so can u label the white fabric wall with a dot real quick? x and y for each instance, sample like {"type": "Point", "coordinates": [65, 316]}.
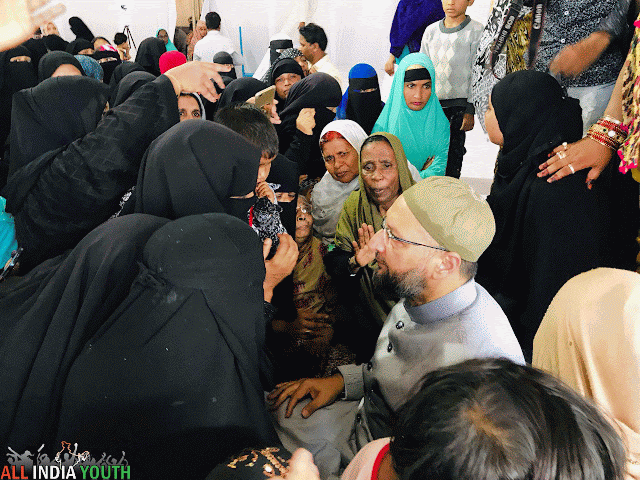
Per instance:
{"type": "Point", "coordinates": [106, 17]}
{"type": "Point", "coordinates": [358, 30]}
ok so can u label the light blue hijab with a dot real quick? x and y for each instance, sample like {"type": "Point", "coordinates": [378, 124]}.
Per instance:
{"type": "Point", "coordinates": [423, 134]}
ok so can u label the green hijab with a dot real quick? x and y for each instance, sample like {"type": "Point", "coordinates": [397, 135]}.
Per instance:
{"type": "Point", "coordinates": [424, 133]}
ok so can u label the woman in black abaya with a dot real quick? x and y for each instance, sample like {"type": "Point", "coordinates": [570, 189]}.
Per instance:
{"type": "Point", "coordinates": [320, 92]}
{"type": "Point", "coordinates": [173, 377]}
{"type": "Point", "coordinates": [118, 74]}
{"type": "Point", "coordinates": [149, 52]}
{"type": "Point", "coordinates": [546, 233]}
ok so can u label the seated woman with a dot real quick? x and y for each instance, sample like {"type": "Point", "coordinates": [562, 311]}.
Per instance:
{"type": "Point", "coordinates": [340, 143]}
{"type": "Point", "coordinates": [590, 339]}
{"type": "Point", "coordinates": [384, 175]}
{"type": "Point", "coordinates": [58, 64]}
{"type": "Point", "coordinates": [307, 346]}
{"type": "Point", "coordinates": [174, 376]}
{"type": "Point", "coordinates": [413, 113]}
{"type": "Point", "coordinates": [546, 233]}
{"type": "Point", "coordinates": [361, 102]}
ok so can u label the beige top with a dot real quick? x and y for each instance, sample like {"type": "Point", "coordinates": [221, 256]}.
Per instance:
{"type": "Point", "coordinates": [590, 339]}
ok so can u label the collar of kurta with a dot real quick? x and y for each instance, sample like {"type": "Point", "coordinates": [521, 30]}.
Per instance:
{"type": "Point", "coordinates": [444, 307]}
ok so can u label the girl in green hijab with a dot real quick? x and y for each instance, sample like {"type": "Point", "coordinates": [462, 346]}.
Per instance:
{"type": "Point", "coordinates": [383, 175]}
{"type": "Point", "coordinates": [414, 114]}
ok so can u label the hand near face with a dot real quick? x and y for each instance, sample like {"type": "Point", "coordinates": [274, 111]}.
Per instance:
{"type": "Point", "coordinates": [306, 121]}
{"type": "Point", "coordinates": [264, 190]}
{"type": "Point", "coordinates": [18, 19]}
{"type": "Point", "coordinates": [363, 252]}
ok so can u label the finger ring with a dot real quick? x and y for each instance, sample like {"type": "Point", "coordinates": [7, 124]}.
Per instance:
{"type": "Point", "coordinates": [573, 170]}
{"type": "Point", "coordinates": [564, 145]}
{"type": "Point", "coordinates": [561, 155]}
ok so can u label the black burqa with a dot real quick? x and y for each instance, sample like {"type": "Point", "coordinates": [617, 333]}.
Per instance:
{"type": "Point", "coordinates": [546, 233]}
{"type": "Point", "coordinates": [50, 313]}
{"type": "Point", "coordinates": [61, 196]}
{"type": "Point", "coordinates": [223, 58]}
{"type": "Point", "coordinates": [196, 167]}
{"type": "Point", "coordinates": [108, 60]}
{"type": "Point", "coordinates": [280, 67]}
{"type": "Point", "coordinates": [55, 43]}
{"type": "Point", "coordinates": [37, 48]}
{"type": "Point", "coordinates": [52, 60]}
{"type": "Point", "coordinates": [130, 84]}
{"type": "Point", "coordinates": [364, 108]}
{"type": "Point", "coordinates": [77, 45]}
{"type": "Point", "coordinates": [14, 76]}
{"type": "Point", "coordinates": [149, 52]}
{"type": "Point", "coordinates": [80, 29]}
{"type": "Point", "coordinates": [319, 91]}
{"type": "Point", "coordinates": [118, 74]}
{"type": "Point", "coordinates": [53, 114]}
{"type": "Point", "coordinates": [240, 90]}
{"type": "Point", "coordinates": [173, 377]}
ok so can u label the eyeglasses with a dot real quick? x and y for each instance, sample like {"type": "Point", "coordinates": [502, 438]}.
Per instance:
{"type": "Point", "coordinates": [303, 209]}
{"type": "Point", "coordinates": [391, 236]}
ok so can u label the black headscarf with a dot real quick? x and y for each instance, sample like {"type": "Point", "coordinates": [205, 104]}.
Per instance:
{"type": "Point", "coordinates": [77, 45]}
{"type": "Point", "coordinates": [37, 48]}
{"type": "Point", "coordinates": [282, 66]}
{"type": "Point", "coordinates": [173, 377]}
{"type": "Point", "coordinates": [223, 58]}
{"type": "Point", "coordinates": [52, 60]}
{"type": "Point", "coordinates": [240, 90]}
{"type": "Point", "coordinates": [277, 46]}
{"type": "Point", "coordinates": [195, 167]}
{"type": "Point", "coordinates": [49, 314]}
{"type": "Point", "coordinates": [364, 108]}
{"type": "Point", "coordinates": [118, 74]}
{"type": "Point", "coordinates": [80, 29]}
{"type": "Point", "coordinates": [212, 107]}
{"type": "Point", "coordinates": [55, 43]}
{"type": "Point", "coordinates": [545, 233]}
{"type": "Point", "coordinates": [130, 84]}
{"type": "Point", "coordinates": [284, 172]}
{"type": "Point", "coordinates": [14, 76]}
{"type": "Point", "coordinates": [53, 114]}
{"type": "Point", "coordinates": [319, 91]}
{"type": "Point", "coordinates": [108, 60]}
{"type": "Point", "coordinates": [149, 52]}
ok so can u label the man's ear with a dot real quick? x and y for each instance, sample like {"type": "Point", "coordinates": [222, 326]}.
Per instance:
{"type": "Point", "coordinates": [449, 263]}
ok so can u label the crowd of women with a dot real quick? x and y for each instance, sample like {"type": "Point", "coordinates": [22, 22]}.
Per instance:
{"type": "Point", "coordinates": [172, 253]}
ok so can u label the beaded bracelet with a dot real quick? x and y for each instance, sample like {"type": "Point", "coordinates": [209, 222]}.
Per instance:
{"type": "Point", "coordinates": [609, 132]}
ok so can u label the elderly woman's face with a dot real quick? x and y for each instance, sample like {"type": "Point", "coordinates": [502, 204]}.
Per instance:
{"type": "Point", "coordinates": [304, 220]}
{"type": "Point", "coordinates": [380, 173]}
{"type": "Point", "coordinates": [341, 160]}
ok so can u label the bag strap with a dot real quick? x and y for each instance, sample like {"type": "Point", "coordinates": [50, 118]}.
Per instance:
{"type": "Point", "coordinates": [539, 8]}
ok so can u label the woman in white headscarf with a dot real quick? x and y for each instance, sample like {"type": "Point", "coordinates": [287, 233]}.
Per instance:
{"type": "Point", "coordinates": [340, 142]}
{"type": "Point", "coordinates": [590, 339]}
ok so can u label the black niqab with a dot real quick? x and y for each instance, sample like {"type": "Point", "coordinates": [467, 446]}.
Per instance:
{"type": "Point", "coordinates": [240, 90]}
{"type": "Point", "coordinates": [79, 44]}
{"type": "Point", "coordinates": [80, 29]}
{"type": "Point", "coordinates": [108, 60]}
{"type": "Point", "coordinates": [195, 167]}
{"type": "Point", "coordinates": [364, 108]}
{"type": "Point", "coordinates": [173, 377]}
{"type": "Point", "coordinates": [52, 60]}
{"type": "Point", "coordinates": [118, 74]}
{"type": "Point", "coordinates": [55, 43]}
{"type": "Point", "coordinates": [49, 314]}
{"type": "Point", "coordinates": [53, 114]}
{"type": "Point", "coordinates": [223, 58]}
{"type": "Point", "coordinates": [37, 49]}
{"type": "Point", "coordinates": [149, 52]}
{"type": "Point", "coordinates": [130, 84]}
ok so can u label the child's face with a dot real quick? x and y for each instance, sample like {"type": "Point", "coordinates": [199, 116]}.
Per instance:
{"type": "Point", "coordinates": [304, 220]}
{"type": "Point", "coordinates": [455, 8]}
{"type": "Point", "coordinates": [492, 126]}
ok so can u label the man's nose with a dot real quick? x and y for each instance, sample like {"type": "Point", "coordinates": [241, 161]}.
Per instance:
{"type": "Point", "coordinates": [377, 241]}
